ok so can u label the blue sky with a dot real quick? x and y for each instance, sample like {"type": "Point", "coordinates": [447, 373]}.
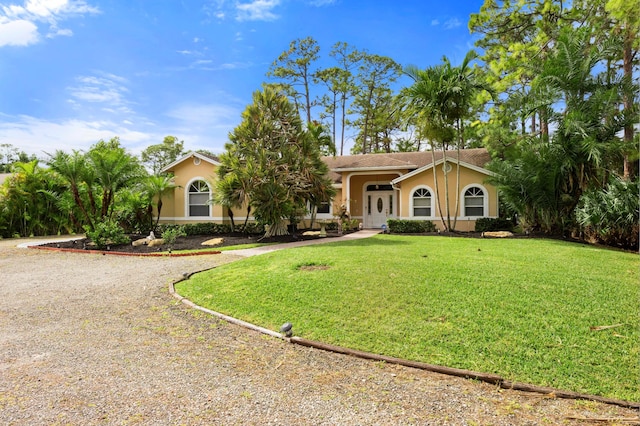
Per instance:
{"type": "Point", "coordinates": [73, 72]}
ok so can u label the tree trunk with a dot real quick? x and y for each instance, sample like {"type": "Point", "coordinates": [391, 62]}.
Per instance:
{"type": "Point", "coordinates": [435, 182]}
{"type": "Point", "coordinates": [276, 229]}
{"type": "Point", "coordinates": [627, 67]}
{"type": "Point", "coordinates": [460, 142]}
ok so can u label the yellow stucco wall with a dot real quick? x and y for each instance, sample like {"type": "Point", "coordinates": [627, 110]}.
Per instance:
{"type": "Point", "coordinates": [174, 209]}
{"type": "Point", "coordinates": [354, 198]}
{"type": "Point", "coordinates": [351, 194]}
{"type": "Point", "coordinates": [467, 177]}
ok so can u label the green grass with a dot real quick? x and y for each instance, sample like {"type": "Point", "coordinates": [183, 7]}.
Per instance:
{"type": "Point", "coordinates": [520, 308]}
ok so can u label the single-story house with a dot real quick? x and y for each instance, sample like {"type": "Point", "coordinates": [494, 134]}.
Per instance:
{"type": "Point", "coordinates": [372, 187]}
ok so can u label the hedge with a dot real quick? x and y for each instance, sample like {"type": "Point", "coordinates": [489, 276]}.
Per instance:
{"type": "Point", "coordinates": [398, 226]}
{"type": "Point", "coordinates": [485, 224]}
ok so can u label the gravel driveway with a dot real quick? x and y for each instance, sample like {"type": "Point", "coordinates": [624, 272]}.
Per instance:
{"type": "Point", "coordinates": [90, 339]}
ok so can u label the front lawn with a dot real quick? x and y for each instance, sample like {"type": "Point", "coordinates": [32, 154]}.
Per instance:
{"type": "Point", "coordinates": [520, 308]}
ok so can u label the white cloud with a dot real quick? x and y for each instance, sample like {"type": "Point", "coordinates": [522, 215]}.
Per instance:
{"type": "Point", "coordinates": [102, 88]}
{"type": "Point", "coordinates": [18, 33]}
{"type": "Point", "coordinates": [452, 23]}
{"type": "Point", "coordinates": [19, 24]}
{"type": "Point", "coordinates": [201, 126]}
{"type": "Point", "coordinates": [204, 126]}
{"type": "Point", "coordinates": [257, 10]}
{"type": "Point", "coordinates": [37, 136]}
{"type": "Point", "coordinates": [435, 22]}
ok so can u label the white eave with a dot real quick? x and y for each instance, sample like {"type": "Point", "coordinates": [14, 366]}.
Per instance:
{"type": "Point", "coordinates": [437, 163]}
{"type": "Point", "coordinates": [192, 154]}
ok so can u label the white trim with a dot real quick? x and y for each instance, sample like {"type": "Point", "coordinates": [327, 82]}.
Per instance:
{"type": "Point", "coordinates": [186, 198]}
{"type": "Point", "coordinates": [365, 193]}
{"type": "Point", "coordinates": [433, 204]}
{"type": "Point", "coordinates": [191, 154]}
{"type": "Point", "coordinates": [485, 201]}
{"type": "Point", "coordinates": [437, 163]}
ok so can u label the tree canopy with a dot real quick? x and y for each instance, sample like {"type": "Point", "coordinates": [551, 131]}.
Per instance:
{"type": "Point", "coordinates": [273, 161]}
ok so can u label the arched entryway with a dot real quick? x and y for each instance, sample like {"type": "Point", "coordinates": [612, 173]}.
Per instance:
{"type": "Point", "coordinates": [379, 204]}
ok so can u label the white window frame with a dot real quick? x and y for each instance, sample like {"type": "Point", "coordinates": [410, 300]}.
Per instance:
{"type": "Point", "coordinates": [187, 200]}
{"type": "Point", "coordinates": [432, 205]}
{"type": "Point", "coordinates": [485, 201]}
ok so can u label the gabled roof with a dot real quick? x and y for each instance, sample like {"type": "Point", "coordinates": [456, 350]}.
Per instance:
{"type": "Point", "coordinates": [437, 163]}
{"type": "Point", "coordinates": [192, 154]}
{"type": "Point", "coordinates": [473, 158]}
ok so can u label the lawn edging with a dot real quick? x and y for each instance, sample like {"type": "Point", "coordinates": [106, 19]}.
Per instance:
{"type": "Point", "coordinates": [467, 374]}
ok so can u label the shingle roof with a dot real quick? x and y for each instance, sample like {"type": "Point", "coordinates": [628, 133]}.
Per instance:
{"type": "Point", "coordinates": [399, 160]}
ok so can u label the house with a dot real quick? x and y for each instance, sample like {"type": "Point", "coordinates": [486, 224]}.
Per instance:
{"type": "Point", "coordinates": [372, 187]}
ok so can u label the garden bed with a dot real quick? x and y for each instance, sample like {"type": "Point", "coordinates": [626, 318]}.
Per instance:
{"type": "Point", "coordinates": [193, 242]}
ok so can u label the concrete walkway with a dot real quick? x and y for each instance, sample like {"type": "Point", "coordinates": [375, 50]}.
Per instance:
{"type": "Point", "coordinates": [365, 233]}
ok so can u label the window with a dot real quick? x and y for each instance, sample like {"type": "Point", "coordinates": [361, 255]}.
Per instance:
{"type": "Point", "coordinates": [199, 198]}
{"type": "Point", "coordinates": [324, 207]}
{"type": "Point", "coordinates": [422, 202]}
{"type": "Point", "coordinates": [474, 202]}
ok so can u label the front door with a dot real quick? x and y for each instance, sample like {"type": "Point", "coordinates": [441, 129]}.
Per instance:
{"type": "Point", "coordinates": [379, 206]}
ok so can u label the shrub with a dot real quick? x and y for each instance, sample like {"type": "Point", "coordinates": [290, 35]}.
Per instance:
{"type": "Point", "coordinates": [399, 226]}
{"type": "Point", "coordinates": [485, 224]}
{"type": "Point", "coordinates": [331, 226]}
{"type": "Point", "coordinates": [106, 233]}
{"type": "Point", "coordinates": [611, 215]}
{"type": "Point", "coordinates": [211, 228]}
{"type": "Point", "coordinates": [171, 235]}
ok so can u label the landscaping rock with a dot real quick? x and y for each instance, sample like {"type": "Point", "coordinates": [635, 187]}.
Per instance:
{"type": "Point", "coordinates": [140, 242]}
{"type": "Point", "coordinates": [497, 234]}
{"type": "Point", "coordinates": [155, 243]}
{"type": "Point", "coordinates": [213, 242]}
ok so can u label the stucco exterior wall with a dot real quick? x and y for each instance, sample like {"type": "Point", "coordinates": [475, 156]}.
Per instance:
{"type": "Point", "coordinates": [358, 181]}
{"type": "Point", "coordinates": [174, 209]}
{"type": "Point", "coordinates": [468, 178]}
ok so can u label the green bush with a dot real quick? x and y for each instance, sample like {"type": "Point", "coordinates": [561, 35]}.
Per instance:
{"type": "Point", "coordinates": [331, 226]}
{"type": "Point", "coordinates": [209, 228]}
{"type": "Point", "coordinates": [171, 235]}
{"type": "Point", "coordinates": [490, 224]}
{"type": "Point", "coordinates": [107, 233]}
{"type": "Point", "coordinates": [611, 215]}
{"type": "Point", "coordinates": [398, 226]}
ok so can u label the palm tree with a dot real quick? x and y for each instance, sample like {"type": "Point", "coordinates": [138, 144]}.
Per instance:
{"type": "Point", "coordinates": [114, 169]}
{"type": "Point", "coordinates": [156, 186]}
{"type": "Point", "coordinates": [74, 170]}
{"type": "Point", "coordinates": [442, 96]}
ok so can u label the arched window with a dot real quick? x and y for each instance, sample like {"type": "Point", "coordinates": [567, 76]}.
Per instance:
{"type": "Point", "coordinates": [422, 202]}
{"type": "Point", "coordinates": [474, 202]}
{"type": "Point", "coordinates": [199, 196]}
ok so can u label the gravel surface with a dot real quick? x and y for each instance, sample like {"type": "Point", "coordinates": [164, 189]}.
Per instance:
{"type": "Point", "coordinates": [89, 339]}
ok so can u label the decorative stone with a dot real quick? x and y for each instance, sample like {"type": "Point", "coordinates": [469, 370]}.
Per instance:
{"type": "Point", "coordinates": [311, 233]}
{"type": "Point", "coordinates": [213, 242]}
{"type": "Point", "coordinates": [140, 242]}
{"type": "Point", "coordinates": [497, 234]}
{"type": "Point", "coordinates": [156, 242]}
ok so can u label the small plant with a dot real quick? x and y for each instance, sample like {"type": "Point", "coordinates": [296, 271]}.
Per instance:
{"type": "Point", "coordinates": [170, 235]}
{"type": "Point", "coordinates": [106, 233]}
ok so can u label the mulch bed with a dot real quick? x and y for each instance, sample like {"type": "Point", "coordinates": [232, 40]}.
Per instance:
{"type": "Point", "coordinates": [193, 242]}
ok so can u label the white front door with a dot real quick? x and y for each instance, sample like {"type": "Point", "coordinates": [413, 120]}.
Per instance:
{"type": "Point", "coordinates": [379, 207]}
